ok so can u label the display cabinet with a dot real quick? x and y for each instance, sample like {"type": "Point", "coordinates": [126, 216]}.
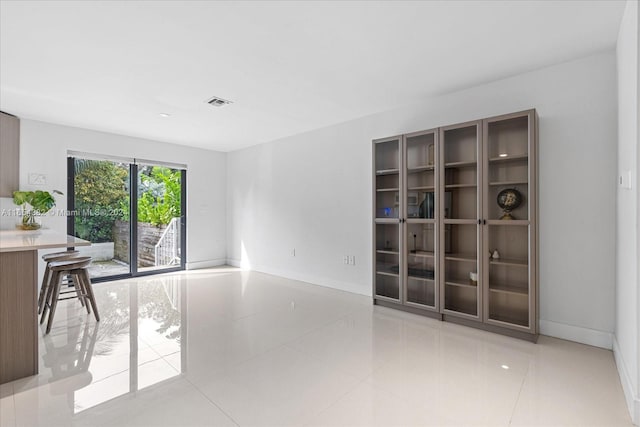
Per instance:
{"type": "Point", "coordinates": [510, 217]}
{"type": "Point", "coordinates": [388, 218]}
{"type": "Point", "coordinates": [455, 223]}
{"type": "Point", "coordinates": [420, 178]}
{"type": "Point", "coordinates": [459, 226]}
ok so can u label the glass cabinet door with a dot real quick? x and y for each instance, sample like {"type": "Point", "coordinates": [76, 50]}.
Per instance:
{"type": "Point", "coordinates": [388, 215]}
{"type": "Point", "coordinates": [387, 179]}
{"type": "Point", "coordinates": [421, 264]}
{"type": "Point", "coordinates": [387, 261]}
{"type": "Point", "coordinates": [508, 212]}
{"type": "Point", "coordinates": [421, 213]}
{"type": "Point", "coordinates": [460, 229]}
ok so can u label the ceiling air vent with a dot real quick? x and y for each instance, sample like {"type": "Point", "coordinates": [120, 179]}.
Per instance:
{"type": "Point", "coordinates": [218, 102]}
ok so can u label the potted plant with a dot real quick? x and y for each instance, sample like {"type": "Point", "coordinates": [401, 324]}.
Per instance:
{"type": "Point", "coordinates": [33, 204]}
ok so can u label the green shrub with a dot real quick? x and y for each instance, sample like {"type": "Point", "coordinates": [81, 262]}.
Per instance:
{"type": "Point", "coordinates": [100, 186]}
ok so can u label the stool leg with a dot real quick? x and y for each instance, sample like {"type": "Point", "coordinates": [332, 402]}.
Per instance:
{"type": "Point", "coordinates": [89, 291]}
{"type": "Point", "coordinates": [54, 302]}
{"type": "Point", "coordinates": [74, 279]}
{"type": "Point", "coordinates": [43, 288]}
{"type": "Point", "coordinates": [80, 291]}
{"type": "Point", "coordinates": [46, 304]}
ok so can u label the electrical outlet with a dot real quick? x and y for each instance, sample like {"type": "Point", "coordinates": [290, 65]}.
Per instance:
{"type": "Point", "coordinates": [625, 180]}
{"type": "Point", "coordinates": [346, 259]}
{"type": "Point", "coordinates": [353, 260]}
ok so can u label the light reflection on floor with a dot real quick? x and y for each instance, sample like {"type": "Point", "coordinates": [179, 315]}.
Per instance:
{"type": "Point", "coordinates": [115, 356]}
{"type": "Point", "coordinates": [229, 347]}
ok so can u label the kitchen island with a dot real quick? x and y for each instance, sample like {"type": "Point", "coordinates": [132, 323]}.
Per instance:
{"type": "Point", "coordinates": [19, 297]}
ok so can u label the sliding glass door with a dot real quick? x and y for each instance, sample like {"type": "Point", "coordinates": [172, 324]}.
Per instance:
{"type": "Point", "coordinates": [159, 218]}
{"type": "Point", "coordinates": [133, 213]}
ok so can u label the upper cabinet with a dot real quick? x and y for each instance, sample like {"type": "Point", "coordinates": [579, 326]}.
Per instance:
{"type": "Point", "coordinates": [9, 154]}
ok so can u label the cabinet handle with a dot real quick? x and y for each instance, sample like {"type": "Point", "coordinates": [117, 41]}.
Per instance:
{"type": "Point", "coordinates": [399, 220]}
{"type": "Point", "coordinates": [484, 221]}
{"type": "Point", "coordinates": [479, 221]}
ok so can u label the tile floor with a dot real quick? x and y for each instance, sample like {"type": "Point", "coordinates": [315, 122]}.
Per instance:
{"type": "Point", "coordinates": [227, 347]}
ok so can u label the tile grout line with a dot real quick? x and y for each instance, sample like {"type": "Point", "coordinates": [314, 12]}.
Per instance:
{"type": "Point", "coordinates": [334, 402]}
{"type": "Point", "coordinates": [515, 405]}
{"type": "Point", "coordinates": [15, 408]}
{"type": "Point", "coordinates": [212, 402]}
{"type": "Point", "coordinates": [283, 345]}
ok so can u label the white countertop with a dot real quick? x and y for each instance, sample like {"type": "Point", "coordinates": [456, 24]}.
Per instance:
{"type": "Point", "coordinates": [21, 240]}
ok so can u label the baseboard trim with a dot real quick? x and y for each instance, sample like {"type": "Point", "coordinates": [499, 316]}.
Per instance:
{"type": "Point", "coordinates": [577, 333]}
{"type": "Point", "coordinates": [196, 265]}
{"type": "Point", "coordinates": [233, 262]}
{"type": "Point", "coordinates": [307, 278]}
{"type": "Point", "coordinates": [633, 401]}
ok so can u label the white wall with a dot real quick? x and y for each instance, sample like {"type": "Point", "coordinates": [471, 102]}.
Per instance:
{"type": "Point", "coordinates": [312, 192]}
{"type": "Point", "coordinates": [43, 149]}
{"type": "Point", "coordinates": [627, 338]}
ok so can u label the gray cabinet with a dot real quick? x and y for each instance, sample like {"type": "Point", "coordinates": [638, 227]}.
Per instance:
{"type": "Point", "coordinates": [455, 223]}
{"type": "Point", "coordinates": [388, 212]}
{"type": "Point", "coordinates": [9, 154]}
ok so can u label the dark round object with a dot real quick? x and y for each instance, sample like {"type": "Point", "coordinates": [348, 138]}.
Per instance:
{"type": "Point", "coordinates": [509, 199]}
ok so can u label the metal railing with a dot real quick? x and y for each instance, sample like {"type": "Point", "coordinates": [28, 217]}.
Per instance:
{"type": "Point", "coordinates": [167, 250]}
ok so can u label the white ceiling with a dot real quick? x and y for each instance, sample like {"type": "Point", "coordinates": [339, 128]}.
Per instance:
{"type": "Point", "coordinates": [288, 67]}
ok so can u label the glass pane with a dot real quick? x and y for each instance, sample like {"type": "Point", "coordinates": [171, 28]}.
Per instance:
{"type": "Point", "coordinates": [509, 274]}
{"type": "Point", "coordinates": [101, 199]}
{"type": "Point", "coordinates": [508, 144]}
{"type": "Point", "coordinates": [387, 260]}
{"type": "Point", "coordinates": [420, 176]}
{"type": "Point", "coordinates": [421, 263]}
{"type": "Point", "coordinates": [461, 171]}
{"type": "Point", "coordinates": [420, 151]}
{"type": "Point", "coordinates": [387, 203]}
{"type": "Point", "coordinates": [387, 159]}
{"type": "Point", "coordinates": [387, 156]}
{"type": "Point", "coordinates": [461, 268]}
{"type": "Point", "coordinates": [159, 212]}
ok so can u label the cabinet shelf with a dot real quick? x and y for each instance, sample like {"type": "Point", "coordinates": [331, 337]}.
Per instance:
{"type": "Point", "coordinates": [387, 172]}
{"type": "Point", "coordinates": [423, 279]}
{"type": "Point", "coordinates": [509, 262]}
{"type": "Point", "coordinates": [453, 186]}
{"type": "Point", "coordinates": [501, 183]}
{"type": "Point", "coordinates": [381, 190]}
{"type": "Point", "coordinates": [461, 285]}
{"type": "Point", "coordinates": [387, 251]}
{"type": "Point", "coordinates": [385, 273]}
{"type": "Point", "coordinates": [505, 318]}
{"type": "Point", "coordinates": [418, 169]}
{"type": "Point", "coordinates": [460, 164]}
{"type": "Point", "coordinates": [460, 221]}
{"type": "Point", "coordinates": [515, 157]}
{"type": "Point", "coordinates": [461, 257]}
{"type": "Point", "coordinates": [509, 222]}
{"type": "Point", "coordinates": [509, 290]}
{"type": "Point", "coordinates": [428, 187]}
{"type": "Point", "coordinates": [388, 269]}
{"type": "Point", "coordinates": [421, 254]}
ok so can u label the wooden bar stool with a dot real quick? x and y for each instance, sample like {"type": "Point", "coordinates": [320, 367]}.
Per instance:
{"type": "Point", "coordinates": [77, 268]}
{"type": "Point", "coordinates": [48, 258]}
